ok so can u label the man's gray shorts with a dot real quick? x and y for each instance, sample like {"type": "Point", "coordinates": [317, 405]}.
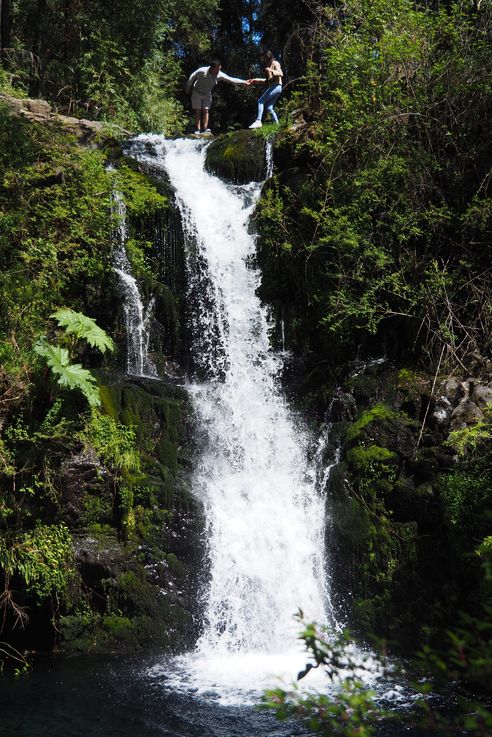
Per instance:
{"type": "Point", "coordinates": [201, 102]}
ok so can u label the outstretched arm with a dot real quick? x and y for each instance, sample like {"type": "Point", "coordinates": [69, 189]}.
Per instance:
{"type": "Point", "coordinates": [223, 77]}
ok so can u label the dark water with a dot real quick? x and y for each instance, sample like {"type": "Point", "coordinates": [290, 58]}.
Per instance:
{"type": "Point", "coordinates": [101, 698]}
{"type": "Point", "coordinates": [94, 697]}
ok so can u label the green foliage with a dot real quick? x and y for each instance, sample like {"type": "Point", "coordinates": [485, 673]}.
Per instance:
{"type": "Point", "coordinates": [113, 441]}
{"type": "Point", "coordinates": [120, 63]}
{"type": "Point", "coordinates": [72, 375]}
{"type": "Point", "coordinates": [83, 328]}
{"type": "Point", "coordinates": [117, 625]}
{"type": "Point", "coordinates": [464, 498]}
{"type": "Point", "coordinates": [375, 468]}
{"type": "Point", "coordinates": [7, 86]}
{"type": "Point", "coordinates": [43, 558]}
{"type": "Point", "coordinates": [54, 234]}
{"type": "Point", "coordinates": [470, 439]}
{"type": "Point", "coordinates": [385, 219]}
{"type": "Point", "coordinates": [140, 195]}
{"type": "Point", "coordinates": [69, 375]}
{"type": "Point", "coordinates": [485, 547]}
{"type": "Point", "coordinates": [350, 707]}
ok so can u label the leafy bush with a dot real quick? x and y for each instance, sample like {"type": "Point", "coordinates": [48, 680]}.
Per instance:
{"type": "Point", "coordinates": [383, 223]}
{"type": "Point", "coordinates": [42, 559]}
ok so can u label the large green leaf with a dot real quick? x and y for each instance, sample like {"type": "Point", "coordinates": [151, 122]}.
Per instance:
{"type": "Point", "coordinates": [83, 327]}
{"type": "Point", "coordinates": [70, 375]}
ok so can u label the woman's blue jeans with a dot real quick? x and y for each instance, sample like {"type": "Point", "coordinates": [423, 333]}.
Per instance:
{"type": "Point", "coordinates": [268, 100]}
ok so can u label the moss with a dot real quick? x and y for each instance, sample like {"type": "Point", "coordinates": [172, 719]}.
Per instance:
{"type": "Point", "coordinates": [77, 632]}
{"type": "Point", "coordinates": [156, 415]}
{"type": "Point", "coordinates": [95, 510]}
{"type": "Point", "coordinates": [168, 454]}
{"type": "Point", "coordinates": [373, 469]}
{"type": "Point", "coordinates": [238, 157]}
{"type": "Point", "coordinates": [363, 386]}
{"type": "Point", "coordinates": [351, 522]}
{"type": "Point", "coordinates": [377, 413]}
{"type": "Point", "coordinates": [107, 402]}
{"type": "Point", "coordinates": [371, 458]}
{"type": "Point", "coordinates": [147, 523]}
{"type": "Point", "coordinates": [175, 565]}
{"type": "Point", "coordinates": [136, 594]}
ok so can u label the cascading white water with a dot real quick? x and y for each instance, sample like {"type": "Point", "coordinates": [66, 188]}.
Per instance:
{"type": "Point", "coordinates": [269, 158]}
{"type": "Point", "coordinates": [138, 362]}
{"type": "Point", "coordinates": [264, 515]}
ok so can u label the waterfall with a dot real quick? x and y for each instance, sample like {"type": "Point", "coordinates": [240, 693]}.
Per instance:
{"type": "Point", "coordinates": [264, 512]}
{"type": "Point", "coordinates": [138, 362]}
{"type": "Point", "coordinates": [269, 158]}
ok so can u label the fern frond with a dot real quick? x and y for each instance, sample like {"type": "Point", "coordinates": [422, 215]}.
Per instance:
{"type": "Point", "coordinates": [70, 375]}
{"type": "Point", "coordinates": [84, 328]}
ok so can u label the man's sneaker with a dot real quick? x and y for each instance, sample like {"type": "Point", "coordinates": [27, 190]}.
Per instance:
{"type": "Point", "coordinates": [197, 133]}
{"type": "Point", "coordinates": [256, 124]}
{"type": "Point", "coordinates": [207, 130]}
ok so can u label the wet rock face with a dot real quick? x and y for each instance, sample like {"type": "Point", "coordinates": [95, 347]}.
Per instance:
{"type": "Point", "coordinates": [343, 408]}
{"type": "Point", "coordinates": [482, 394]}
{"type": "Point", "coordinates": [237, 157]}
{"type": "Point", "coordinates": [388, 508]}
{"type": "Point", "coordinates": [98, 556]}
{"type": "Point", "coordinates": [141, 593]}
{"type": "Point", "coordinates": [87, 489]}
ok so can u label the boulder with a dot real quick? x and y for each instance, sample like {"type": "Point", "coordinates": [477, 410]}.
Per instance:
{"type": "Point", "coordinates": [98, 555]}
{"type": "Point", "coordinates": [38, 107]}
{"type": "Point", "coordinates": [452, 389]}
{"type": "Point", "coordinates": [237, 157]}
{"type": "Point", "coordinates": [466, 413]}
{"type": "Point", "coordinates": [442, 412]}
{"type": "Point", "coordinates": [482, 395]}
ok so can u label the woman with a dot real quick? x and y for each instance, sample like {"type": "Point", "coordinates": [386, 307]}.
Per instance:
{"type": "Point", "coordinates": [273, 77]}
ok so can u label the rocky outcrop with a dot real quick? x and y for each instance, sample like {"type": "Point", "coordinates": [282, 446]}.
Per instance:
{"type": "Point", "coordinates": [87, 489]}
{"type": "Point", "coordinates": [396, 492]}
{"type": "Point", "coordinates": [139, 580]}
{"type": "Point", "coordinates": [40, 111]}
{"type": "Point", "coordinates": [237, 157]}
{"type": "Point", "coordinates": [140, 594]}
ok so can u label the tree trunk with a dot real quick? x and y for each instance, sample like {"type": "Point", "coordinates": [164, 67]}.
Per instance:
{"type": "Point", "coordinates": [39, 48]}
{"type": "Point", "coordinates": [71, 31]}
{"type": "Point", "coordinates": [5, 25]}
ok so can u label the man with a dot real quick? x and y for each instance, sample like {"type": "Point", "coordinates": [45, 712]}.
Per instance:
{"type": "Point", "coordinates": [201, 84]}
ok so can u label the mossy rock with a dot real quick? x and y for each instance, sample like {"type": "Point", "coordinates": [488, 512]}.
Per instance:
{"type": "Point", "coordinates": [384, 427]}
{"type": "Point", "coordinates": [237, 157]}
{"type": "Point", "coordinates": [156, 411]}
{"type": "Point", "coordinates": [374, 469]}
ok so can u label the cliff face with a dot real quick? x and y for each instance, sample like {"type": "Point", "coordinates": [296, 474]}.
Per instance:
{"type": "Point", "coordinates": [99, 527]}
{"type": "Point", "coordinates": [100, 545]}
